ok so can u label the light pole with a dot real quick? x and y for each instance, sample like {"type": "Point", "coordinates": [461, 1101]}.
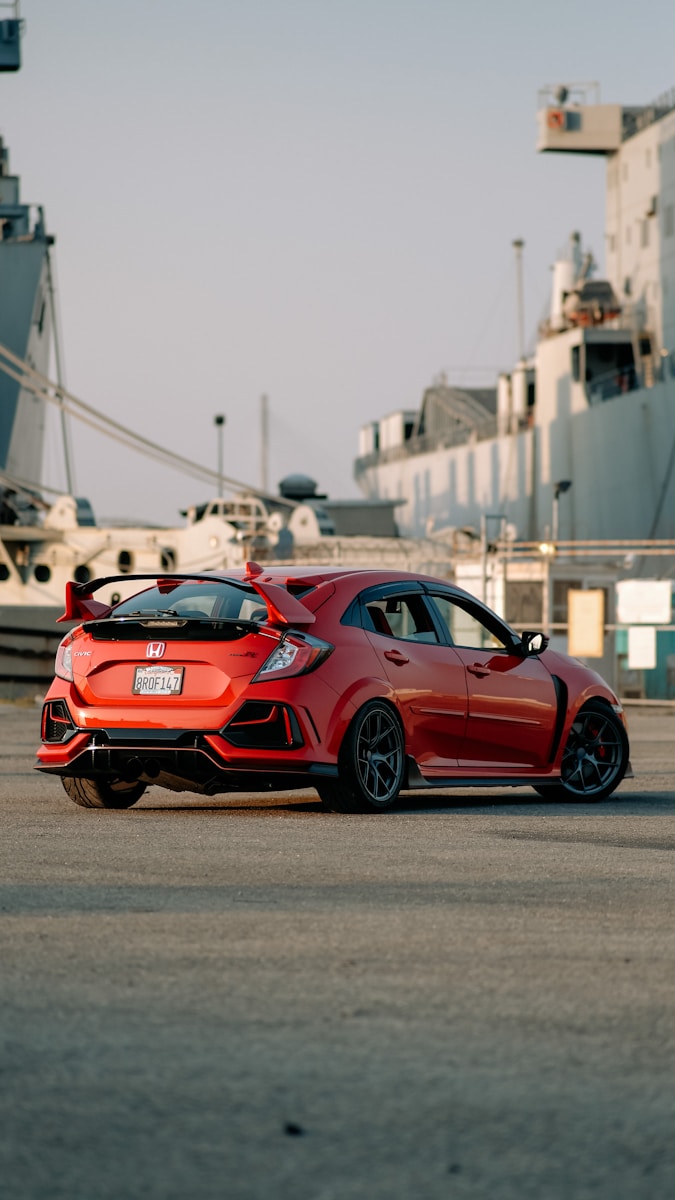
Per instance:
{"type": "Point", "coordinates": [563, 485]}
{"type": "Point", "coordinates": [264, 441]}
{"type": "Point", "coordinates": [219, 421]}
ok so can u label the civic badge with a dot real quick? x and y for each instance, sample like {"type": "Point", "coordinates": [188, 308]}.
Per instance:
{"type": "Point", "coordinates": [155, 649]}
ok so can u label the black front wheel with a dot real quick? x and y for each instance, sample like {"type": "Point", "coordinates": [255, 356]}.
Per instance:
{"type": "Point", "coordinates": [371, 763]}
{"type": "Point", "coordinates": [98, 793]}
{"type": "Point", "coordinates": [595, 757]}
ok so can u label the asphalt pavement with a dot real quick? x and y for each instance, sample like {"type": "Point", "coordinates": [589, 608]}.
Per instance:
{"type": "Point", "coordinates": [251, 999]}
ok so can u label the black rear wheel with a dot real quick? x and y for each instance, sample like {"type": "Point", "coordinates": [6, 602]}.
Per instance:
{"type": "Point", "coordinates": [97, 793]}
{"type": "Point", "coordinates": [371, 763]}
{"type": "Point", "coordinates": [595, 757]}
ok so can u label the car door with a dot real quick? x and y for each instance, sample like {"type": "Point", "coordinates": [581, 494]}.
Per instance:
{"type": "Point", "coordinates": [427, 675]}
{"type": "Point", "coordinates": [511, 697]}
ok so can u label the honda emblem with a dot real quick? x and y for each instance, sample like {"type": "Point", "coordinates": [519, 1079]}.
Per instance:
{"type": "Point", "coordinates": [155, 649]}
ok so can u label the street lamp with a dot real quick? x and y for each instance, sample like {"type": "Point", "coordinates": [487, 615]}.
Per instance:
{"type": "Point", "coordinates": [563, 485]}
{"type": "Point", "coordinates": [219, 421]}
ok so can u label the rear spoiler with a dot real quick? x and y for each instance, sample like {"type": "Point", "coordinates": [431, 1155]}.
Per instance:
{"type": "Point", "coordinates": [81, 607]}
{"type": "Point", "coordinates": [282, 608]}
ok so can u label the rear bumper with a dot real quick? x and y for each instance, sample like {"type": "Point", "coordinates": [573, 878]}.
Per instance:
{"type": "Point", "coordinates": [180, 760]}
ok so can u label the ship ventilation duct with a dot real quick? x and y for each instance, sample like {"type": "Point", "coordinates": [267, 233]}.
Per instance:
{"type": "Point", "coordinates": [563, 283]}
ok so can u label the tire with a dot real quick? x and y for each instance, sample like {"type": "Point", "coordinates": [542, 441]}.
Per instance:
{"type": "Point", "coordinates": [595, 757]}
{"type": "Point", "coordinates": [98, 793]}
{"type": "Point", "coordinates": [371, 763]}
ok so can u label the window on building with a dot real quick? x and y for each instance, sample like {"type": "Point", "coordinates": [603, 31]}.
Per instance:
{"type": "Point", "coordinates": [524, 600]}
{"type": "Point", "coordinates": [560, 589]}
{"type": "Point", "coordinates": [576, 364]}
{"type": "Point", "coordinates": [668, 220]}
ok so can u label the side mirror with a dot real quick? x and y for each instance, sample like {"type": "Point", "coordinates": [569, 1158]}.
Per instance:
{"type": "Point", "coordinates": [533, 642]}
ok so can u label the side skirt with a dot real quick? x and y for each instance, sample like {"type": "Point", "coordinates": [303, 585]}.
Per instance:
{"type": "Point", "coordinates": [416, 781]}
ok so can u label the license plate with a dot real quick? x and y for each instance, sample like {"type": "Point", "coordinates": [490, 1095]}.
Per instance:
{"type": "Point", "coordinates": [156, 679]}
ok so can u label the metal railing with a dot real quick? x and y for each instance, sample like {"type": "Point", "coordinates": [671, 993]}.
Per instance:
{"type": "Point", "coordinates": [428, 443]}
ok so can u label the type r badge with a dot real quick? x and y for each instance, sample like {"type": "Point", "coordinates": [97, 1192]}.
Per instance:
{"type": "Point", "coordinates": [155, 649]}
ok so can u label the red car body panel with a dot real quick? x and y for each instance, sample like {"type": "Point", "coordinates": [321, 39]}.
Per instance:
{"type": "Point", "coordinates": [429, 683]}
{"type": "Point", "coordinates": [512, 710]}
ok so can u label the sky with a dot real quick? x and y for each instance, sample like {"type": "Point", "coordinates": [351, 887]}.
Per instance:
{"type": "Point", "coordinates": [311, 199]}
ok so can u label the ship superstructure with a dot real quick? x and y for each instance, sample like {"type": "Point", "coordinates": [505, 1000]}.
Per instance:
{"type": "Point", "coordinates": [593, 408]}
{"type": "Point", "coordinates": [25, 322]}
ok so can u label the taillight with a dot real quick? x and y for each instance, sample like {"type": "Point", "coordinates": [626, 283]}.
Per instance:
{"type": "Point", "coordinates": [296, 654]}
{"type": "Point", "coordinates": [64, 658]}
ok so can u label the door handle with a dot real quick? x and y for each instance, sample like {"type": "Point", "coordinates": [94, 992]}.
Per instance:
{"type": "Point", "coordinates": [479, 670]}
{"type": "Point", "coordinates": [396, 656]}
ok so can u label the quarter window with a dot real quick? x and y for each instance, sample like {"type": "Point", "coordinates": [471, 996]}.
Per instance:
{"type": "Point", "coordinates": [406, 617]}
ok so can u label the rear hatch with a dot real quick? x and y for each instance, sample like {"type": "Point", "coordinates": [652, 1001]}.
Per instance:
{"type": "Point", "coordinates": [179, 662]}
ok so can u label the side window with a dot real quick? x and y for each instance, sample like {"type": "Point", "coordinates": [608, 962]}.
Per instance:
{"type": "Point", "coordinates": [405, 617]}
{"type": "Point", "coordinates": [466, 628]}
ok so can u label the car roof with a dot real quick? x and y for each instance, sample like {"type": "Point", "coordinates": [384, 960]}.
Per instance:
{"type": "Point", "coordinates": [350, 579]}
{"type": "Point", "coordinates": [285, 574]}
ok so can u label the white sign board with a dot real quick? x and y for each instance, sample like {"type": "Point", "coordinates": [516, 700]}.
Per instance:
{"type": "Point", "coordinates": [641, 647]}
{"type": "Point", "coordinates": [586, 622]}
{"type": "Point", "coordinates": [643, 602]}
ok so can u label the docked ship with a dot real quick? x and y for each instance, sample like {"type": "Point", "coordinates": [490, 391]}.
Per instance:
{"type": "Point", "coordinates": [577, 442]}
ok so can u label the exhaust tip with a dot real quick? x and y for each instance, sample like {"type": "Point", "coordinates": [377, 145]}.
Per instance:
{"type": "Point", "coordinates": [151, 768]}
{"type": "Point", "coordinates": [132, 769]}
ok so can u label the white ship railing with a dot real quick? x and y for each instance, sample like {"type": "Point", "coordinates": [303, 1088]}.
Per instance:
{"type": "Point", "coordinates": [428, 443]}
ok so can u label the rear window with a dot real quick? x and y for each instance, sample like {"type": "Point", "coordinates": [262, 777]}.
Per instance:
{"type": "Point", "coordinates": [208, 599]}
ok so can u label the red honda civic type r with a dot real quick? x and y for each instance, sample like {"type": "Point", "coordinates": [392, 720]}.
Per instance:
{"type": "Point", "coordinates": [359, 683]}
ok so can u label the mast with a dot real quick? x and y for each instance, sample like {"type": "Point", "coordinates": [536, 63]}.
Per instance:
{"type": "Point", "coordinates": [27, 302]}
{"type": "Point", "coordinates": [56, 328]}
